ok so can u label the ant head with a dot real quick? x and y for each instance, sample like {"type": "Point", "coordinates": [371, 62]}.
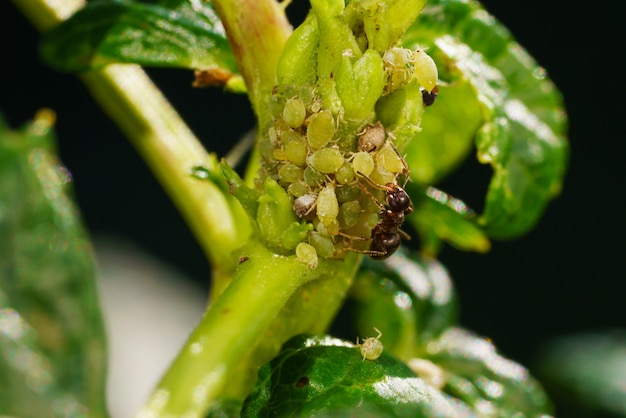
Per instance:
{"type": "Point", "coordinates": [397, 199]}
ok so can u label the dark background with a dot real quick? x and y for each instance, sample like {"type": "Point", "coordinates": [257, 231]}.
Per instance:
{"type": "Point", "coordinates": [566, 276]}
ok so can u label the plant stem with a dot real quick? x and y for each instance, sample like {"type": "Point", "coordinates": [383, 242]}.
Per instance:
{"type": "Point", "coordinates": [164, 141]}
{"type": "Point", "coordinates": [45, 14]}
{"type": "Point", "coordinates": [171, 150]}
{"type": "Point", "coordinates": [231, 328]}
{"type": "Point", "coordinates": [257, 31]}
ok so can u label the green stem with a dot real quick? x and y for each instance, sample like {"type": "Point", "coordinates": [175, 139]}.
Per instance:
{"type": "Point", "coordinates": [45, 14]}
{"type": "Point", "coordinates": [171, 150]}
{"type": "Point", "coordinates": [231, 328]}
{"type": "Point", "coordinates": [163, 140]}
{"type": "Point", "coordinates": [257, 31]}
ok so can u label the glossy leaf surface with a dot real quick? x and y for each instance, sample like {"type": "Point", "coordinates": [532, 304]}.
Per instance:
{"type": "Point", "coordinates": [412, 301]}
{"type": "Point", "coordinates": [441, 217]}
{"type": "Point", "coordinates": [323, 376]}
{"type": "Point", "coordinates": [489, 383]}
{"type": "Point", "coordinates": [404, 295]}
{"type": "Point", "coordinates": [172, 33]}
{"type": "Point", "coordinates": [522, 126]}
{"type": "Point", "coordinates": [52, 344]}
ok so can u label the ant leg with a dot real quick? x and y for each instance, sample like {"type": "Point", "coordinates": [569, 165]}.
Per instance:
{"type": "Point", "coordinates": [376, 186]}
{"type": "Point", "coordinates": [366, 252]}
{"type": "Point", "coordinates": [404, 235]}
{"type": "Point", "coordinates": [353, 237]}
{"type": "Point", "coordinates": [406, 171]}
{"type": "Point", "coordinates": [372, 183]}
{"type": "Point", "coordinates": [354, 250]}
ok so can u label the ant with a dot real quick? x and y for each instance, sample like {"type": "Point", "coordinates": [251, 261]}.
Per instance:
{"type": "Point", "coordinates": [386, 235]}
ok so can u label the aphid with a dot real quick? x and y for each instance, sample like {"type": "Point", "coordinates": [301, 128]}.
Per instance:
{"type": "Point", "coordinates": [345, 173]}
{"type": "Point", "coordinates": [322, 244]}
{"type": "Point", "coordinates": [326, 160]}
{"type": "Point", "coordinates": [397, 62]}
{"type": "Point", "coordinates": [372, 137]}
{"type": "Point", "coordinates": [307, 254]}
{"type": "Point", "coordinates": [371, 347]}
{"type": "Point", "coordinates": [363, 162]}
{"type": "Point", "coordinates": [294, 112]}
{"type": "Point", "coordinates": [320, 129]}
{"type": "Point", "coordinates": [304, 205]}
{"type": "Point", "coordinates": [404, 64]}
{"type": "Point", "coordinates": [429, 98]}
{"type": "Point", "coordinates": [425, 70]}
{"type": "Point", "coordinates": [327, 205]}
{"type": "Point", "coordinates": [213, 76]}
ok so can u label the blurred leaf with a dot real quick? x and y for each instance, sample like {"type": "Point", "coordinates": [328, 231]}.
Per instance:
{"type": "Point", "coordinates": [52, 344]}
{"type": "Point", "coordinates": [168, 33]}
{"type": "Point", "coordinates": [522, 134]}
{"type": "Point", "coordinates": [491, 384]}
{"type": "Point", "coordinates": [442, 217]}
{"type": "Point", "coordinates": [586, 373]}
{"type": "Point", "coordinates": [448, 130]}
{"type": "Point", "coordinates": [323, 376]}
{"type": "Point", "coordinates": [412, 301]}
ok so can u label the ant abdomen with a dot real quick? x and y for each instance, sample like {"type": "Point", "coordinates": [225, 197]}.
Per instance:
{"type": "Point", "coordinates": [384, 244]}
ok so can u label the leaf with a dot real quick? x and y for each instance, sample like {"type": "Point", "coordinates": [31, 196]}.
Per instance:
{"type": "Point", "coordinates": [491, 384]}
{"type": "Point", "coordinates": [442, 217]}
{"type": "Point", "coordinates": [172, 33]}
{"type": "Point", "coordinates": [585, 373]}
{"type": "Point", "coordinates": [52, 344]}
{"type": "Point", "coordinates": [523, 129]}
{"type": "Point", "coordinates": [447, 134]}
{"type": "Point", "coordinates": [410, 299]}
{"type": "Point", "coordinates": [413, 303]}
{"type": "Point", "coordinates": [324, 376]}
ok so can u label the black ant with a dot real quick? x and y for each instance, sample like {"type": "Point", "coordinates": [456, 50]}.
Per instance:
{"type": "Point", "coordinates": [386, 235]}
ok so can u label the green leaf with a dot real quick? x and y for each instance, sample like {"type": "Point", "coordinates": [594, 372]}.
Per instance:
{"type": "Point", "coordinates": [164, 34]}
{"type": "Point", "coordinates": [52, 343]}
{"type": "Point", "coordinates": [523, 130]}
{"type": "Point", "coordinates": [277, 221]}
{"type": "Point", "coordinates": [440, 217]}
{"type": "Point", "coordinates": [409, 298]}
{"type": "Point", "coordinates": [585, 373]}
{"type": "Point", "coordinates": [492, 385]}
{"type": "Point", "coordinates": [324, 376]}
{"type": "Point", "coordinates": [412, 302]}
{"type": "Point", "coordinates": [447, 133]}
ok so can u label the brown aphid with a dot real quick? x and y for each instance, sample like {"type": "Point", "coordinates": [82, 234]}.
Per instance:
{"type": "Point", "coordinates": [372, 137]}
{"type": "Point", "coordinates": [304, 206]}
{"type": "Point", "coordinates": [214, 76]}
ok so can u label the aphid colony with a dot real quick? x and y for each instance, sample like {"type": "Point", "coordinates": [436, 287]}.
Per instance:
{"type": "Point", "coordinates": [345, 184]}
